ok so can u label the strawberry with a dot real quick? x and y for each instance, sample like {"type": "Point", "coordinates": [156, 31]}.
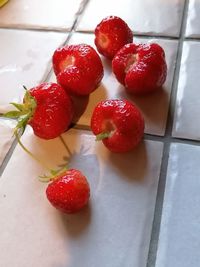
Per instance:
{"type": "Point", "coordinates": [118, 123]}
{"type": "Point", "coordinates": [140, 67]}
{"type": "Point", "coordinates": [46, 108]}
{"type": "Point", "coordinates": [111, 34]}
{"type": "Point", "coordinates": [78, 68]}
{"type": "Point", "coordinates": [69, 191]}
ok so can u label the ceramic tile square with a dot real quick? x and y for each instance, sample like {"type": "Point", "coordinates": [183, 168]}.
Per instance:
{"type": "Point", "coordinates": [25, 60]}
{"type": "Point", "coordinates": [147, 17]}
{"type": "Point", "coordinates": [187, 110]}
{"type": "Point", "coordinates": [149, 105]}
{"type": "Point", "coordinates": [193, 19]}
{"type": "Point", "coordinates": [6, 137]}
{"type": "Point", "coordinates": [116, 226]}
{"type": "Point", "coordinates": [179, 239]}
{"type": "Point", "coordinates": [46, 14]}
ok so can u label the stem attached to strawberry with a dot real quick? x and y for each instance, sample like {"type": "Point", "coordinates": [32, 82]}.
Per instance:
{"type": "Point", "coordinates": [102, 136]}
{"type": "Point", "coordinates": [44, 178]}
{"type": "Point", "coordinates": [29, 152]}
{"type": "Point", "coordinates": [23, 113]}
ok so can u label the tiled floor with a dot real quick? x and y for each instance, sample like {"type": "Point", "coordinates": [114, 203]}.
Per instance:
{"type": "Point", "coordinates": [40, 14]}
{"type": "Point", "coordinates": [144, 207]}
{"type": "Point", "coordinates": [25, 60]}
{"type": "Point", "coordinates": [150, 17]}
{"type": "Point", "coordinates": [193, 21]}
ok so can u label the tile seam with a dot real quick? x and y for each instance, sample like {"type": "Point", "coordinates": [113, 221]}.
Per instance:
{"type": "Point", "coordinates": [167, 140]}
{"type": "Point", "coordinates": [45, 78]}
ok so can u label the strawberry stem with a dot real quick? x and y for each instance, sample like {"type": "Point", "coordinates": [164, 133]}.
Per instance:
{"type": "Point", "coordinates": [45, 178]}
{"type": "Point", "coordinates": [53, 175]}
{"type": "Point", "coordinates": [102, 136]}
{"type": "Point", "coordinates": [29, 152]}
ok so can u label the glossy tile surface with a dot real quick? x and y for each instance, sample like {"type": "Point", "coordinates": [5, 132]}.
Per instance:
{"type": "Point", "coordinates": [187, 111]}
{"type": "Point", "coordinates": [115, 228]}
{"type": "Point", "coordinates": [180, 226]}
{"type": "Point", "coordinates": [149, 105]}
{"type": "Point", "coordinates": [45, 14]}
{"type": "Point", "coordinates": [147, 17]}
{"type": "Point", "coordinates": [126, 224]}
{"type": "Point", "coordinates": [6, 137]}
{"type": "Point", "coordinates": [193, 20]}
{"type": "Point", "coordinates": [25, 60]}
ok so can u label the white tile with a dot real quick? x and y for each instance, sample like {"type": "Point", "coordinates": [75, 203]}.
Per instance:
{"type": "Point", "coordinates": [187, 110]}
{"type": "Point", "coordinates": [179, 239]}
{"type": "Point", "coordinates": [193, 19]}
{"type": "Point", "coordinates": [25, 60]}
{"type": "Point", "coordinates": [155, 122]}
{"type": "Point", "coordinates": [6, 137]}
{"type": "Point", "coordinates": [156, 17]}
{"type": "Point", "coordinates": [45, 14]}
{"type": "Point", "coordinates": [115, 228]}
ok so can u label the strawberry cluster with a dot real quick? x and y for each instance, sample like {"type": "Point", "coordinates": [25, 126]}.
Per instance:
{"type": "Point", "coordinates": [50, 108]}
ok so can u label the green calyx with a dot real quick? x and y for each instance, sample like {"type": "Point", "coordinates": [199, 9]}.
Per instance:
{"type": "Point", "coordinates": [53, 175]}
{"type": "Point", "coordinates": [23, 112]}
{"type": "Point", "coordinates": [102, 136]}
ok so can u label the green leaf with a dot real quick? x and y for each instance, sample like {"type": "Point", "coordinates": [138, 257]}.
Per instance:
{"type": "Point", "coordinates": [102, 136]}
{"type": "Point", "coordinates": [18, 106]}
{"type": "Point", "coordinates": [14, 114]}
{"type": "Point", "coordinates": [44, 178]}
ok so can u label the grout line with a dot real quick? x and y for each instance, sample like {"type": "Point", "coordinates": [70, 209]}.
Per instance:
{"type": "Point", "coordinates": [35, 29]}
{"type": "Point", "coordinates": [7, 157]}
{"type": "Point", "coordinates": [167, 139]}
{"type": "Point", "coordinates": [140, 35]}
{"type": "Point", "coordinates": [82, 6]}
{"type": "Point", "coordinates": [196, 39]}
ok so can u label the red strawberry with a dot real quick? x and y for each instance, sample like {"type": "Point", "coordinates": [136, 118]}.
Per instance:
{"type": "Point", "coordinates": [141, 68]}
{"type": "Point", "coordinates": [78, 68]}
{"type": "Point", "coordinates": [111, 34]}
{"type": "Point", "coordinates": [47, 108]}
{"type": "Point", "coordinates": [118, 123]}
{"type": "Point", "coordinates": [69, 192]}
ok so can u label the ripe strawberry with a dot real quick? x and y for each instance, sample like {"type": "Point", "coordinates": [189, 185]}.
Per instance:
{"type": "Point", "coordinates": [118, 123]}
{"type": "Point", "coordinates": [69, 191]}
{"type": "Point", "coordinates": [141, 68]}
{"type": "Point", "coordinates": [47, 108]}
{"type": "Point", "coordinates": [78, 68]}
{"type": "Point", "coordinates": [111, 34]}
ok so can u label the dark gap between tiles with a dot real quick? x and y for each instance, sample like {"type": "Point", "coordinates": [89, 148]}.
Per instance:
{"type": "Point", "coordinates": [23, 28]}
{"type": "Point", "coordinates": [192, 39]}
{"type": "Point", "coordinates": [167, 141]}
{"type": "Point", "coordinates": [7, 157]}
{"type": "Point", "coordinates": [139, 35]}
{"type": "Point", "coordinates": [49, 67]}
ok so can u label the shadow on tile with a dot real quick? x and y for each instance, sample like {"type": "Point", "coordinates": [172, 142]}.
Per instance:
{"type": "Point", "coordinates": [132, 166]}
{"type": "Point", "coordinates": [76, 224]}
{"type": "Point", "coordinates": [151, 105]}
